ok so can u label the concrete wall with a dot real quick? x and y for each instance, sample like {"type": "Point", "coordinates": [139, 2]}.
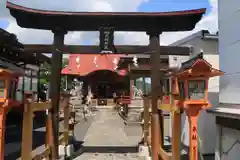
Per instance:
{"type": "Point", "coordinates": [229, 146]}
{"type": "Point", "coordinates": [208, 46]}
{"type": "Point", "coordinates": [229, 47]}
{"type": "Point", "coordinates": [176, 61]}
{"type": "Point", "coordinates": [206, 121]}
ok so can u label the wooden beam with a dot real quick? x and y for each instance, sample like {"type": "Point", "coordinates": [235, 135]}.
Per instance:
{"type": "Point", "coordinates": [44, 154]}
{"type": "Point", "coordinates": [42, 106]}
{"type": "Point", "coordinates": [162, 67]}
{"type": "Point", "coordinates": [165, 107]}
{"type": "Point", "coordinates": [141, 59]}
{"type": "Point", "coordinates": [164, 155]}
{"type": "Point", "coordinates": [121, 49]}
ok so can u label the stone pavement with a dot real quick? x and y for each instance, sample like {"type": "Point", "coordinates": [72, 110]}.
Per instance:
{"type": "Point", "coordinates": [108, 138]}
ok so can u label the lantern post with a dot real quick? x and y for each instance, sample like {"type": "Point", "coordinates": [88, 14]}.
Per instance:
{"type": "Point", "coordinates": [8, 86]}
{"type": "Point", "coordinates": [192, 79]}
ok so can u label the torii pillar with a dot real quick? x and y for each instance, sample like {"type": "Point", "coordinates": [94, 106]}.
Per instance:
{"type": "Point", "coordinates": [156, 138]}
{"type": "Point", "coordinates": [55, 82]}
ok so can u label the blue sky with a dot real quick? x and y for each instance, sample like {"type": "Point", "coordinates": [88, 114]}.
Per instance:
{"type": "Point", "coordinates": [3, 24]}
{"type": "Point", "coordinates": [160, 5]}
{"type": "Point", "coordinates": [173, 5]}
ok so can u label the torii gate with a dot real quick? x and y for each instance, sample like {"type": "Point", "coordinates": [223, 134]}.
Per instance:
{"type": "Point", "coordinates": [151, 23]}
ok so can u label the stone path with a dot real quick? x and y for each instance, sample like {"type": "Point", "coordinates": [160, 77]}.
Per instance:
{"type": "Point", "coordinates": [108, 138]}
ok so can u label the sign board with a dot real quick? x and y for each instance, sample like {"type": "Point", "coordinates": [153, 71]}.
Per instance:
{"type": "Point", "coordinates": [106, 40]}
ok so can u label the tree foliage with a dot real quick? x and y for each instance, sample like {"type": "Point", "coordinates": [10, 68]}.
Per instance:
{"type": "Point", "coordinates": [45, 72]}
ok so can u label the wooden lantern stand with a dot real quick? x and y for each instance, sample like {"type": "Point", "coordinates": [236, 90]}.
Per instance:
{"type": "Point", "coordinates": [192, 87]}
{"type": "Point", "coordinates": [9, 81]}
{"type": "Point", "coordinates": [193, 111]}
{"type": "Point", "coordinates": [168, 104]}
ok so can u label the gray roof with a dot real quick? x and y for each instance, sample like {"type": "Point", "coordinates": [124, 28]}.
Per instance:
{"type": "Point", "coordinates": [226, 110]}
{"type": "Point", "coordinates": [203, 34]}
{"type": "Point", "coordinates": [190, 62]}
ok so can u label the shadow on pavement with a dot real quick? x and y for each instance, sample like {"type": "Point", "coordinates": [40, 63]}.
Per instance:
{"type": "Point", "coordinates": [185, 149]}
{"type": "Point", "coordinates": [106, 149]}
{"type": "Point", "coordinates": [110, 149]}
{"type": "Point", "coordinates": [38, 140]}
{"type": "Point", "coordinates": [13, 135]}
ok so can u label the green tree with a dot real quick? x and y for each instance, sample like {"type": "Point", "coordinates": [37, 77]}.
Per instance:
{"type": "Point", "coordinates": [64, 78]}
{"type": "Point", "coordinates": [45, 72]}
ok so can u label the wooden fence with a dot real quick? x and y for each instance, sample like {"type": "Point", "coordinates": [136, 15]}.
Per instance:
{"type": "Point", "coordinates": [30, 108]}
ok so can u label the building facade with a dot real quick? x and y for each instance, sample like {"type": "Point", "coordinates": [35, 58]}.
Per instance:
{"type": "Point", "coordinates": [207, 43]}
{"type": "Point", "coordinates": [228, 111]}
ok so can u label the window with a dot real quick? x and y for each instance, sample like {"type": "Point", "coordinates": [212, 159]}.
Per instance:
{"type": "Point", "coordinates": [181, 90]}
{"type": "Point", "coordinates": [34, 84]}
{"type": "Point", "coordinates": [19, 93]}
{"type": "Point", "coordinates": [139, 84]}
{"type": "Point", "coordinates": [27, 72]}
{"type": "Point", "coordinates": [34, 73]}
{"type": "Point", "coordinates": [20, 82]}
{"type": "Point", "coordinates": [27, 82]}
{"type": "Point", "coordinates": [166, 87]}
{"type": "Point", "coordinates": [196, 89]}
{"type": "Point", "coordinates": [12, 90]}
{"type": "Point", "coordinates": [148, 85]}
{"type": "Point", "coordinates": [2, 87]}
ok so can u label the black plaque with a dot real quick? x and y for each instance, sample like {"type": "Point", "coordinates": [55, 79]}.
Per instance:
{"type": "Point", "coordinates": [106, 40]}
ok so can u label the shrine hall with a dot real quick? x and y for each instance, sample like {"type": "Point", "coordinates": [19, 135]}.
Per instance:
{"type": "Point", "coordinates": [100, 72]}
{"type": "Point", "coordinates": [105, 74]}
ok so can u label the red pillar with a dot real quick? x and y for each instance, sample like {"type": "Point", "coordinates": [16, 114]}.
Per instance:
{"type": "Point", "coordinates": [193, 114]}
{"type": "Point", "coordinates": [3, 114]}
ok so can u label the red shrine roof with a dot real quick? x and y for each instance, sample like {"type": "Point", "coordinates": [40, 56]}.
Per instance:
{"type": "Point", "coordinates": [83, 64]}
{"type": "Point", "coordinates": [91, 21]}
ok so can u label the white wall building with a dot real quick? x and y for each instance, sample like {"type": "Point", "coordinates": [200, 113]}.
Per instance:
{"type": "Point", "coordinates": [207, 43]}
{"type": "Point", "coordinates": [228, 111]}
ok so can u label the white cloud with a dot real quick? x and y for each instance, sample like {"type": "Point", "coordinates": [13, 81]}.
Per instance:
{"type": "Point", "coordinates": [40, 36]}
{"type": "Point", "coordinates": [209, 22]}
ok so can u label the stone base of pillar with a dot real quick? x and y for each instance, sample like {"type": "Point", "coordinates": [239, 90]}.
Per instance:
{"type": "Point", "coordinates": [143, 152]}
{"type": "Point", "coordinates": [66, 151]}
